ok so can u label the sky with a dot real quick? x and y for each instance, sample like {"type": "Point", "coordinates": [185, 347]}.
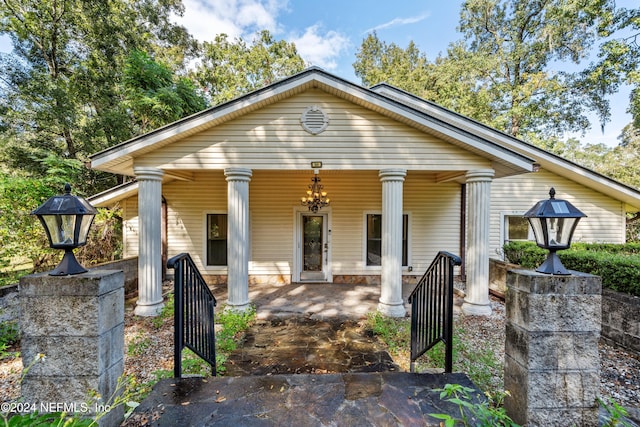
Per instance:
{"type": "Point", "coordinates": [328, 33]}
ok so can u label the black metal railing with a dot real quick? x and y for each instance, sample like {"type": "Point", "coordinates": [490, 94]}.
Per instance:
{"type": "Point", "coordinates": [432, 309]}
{"type": "Point", "coordinates": [194, 313]}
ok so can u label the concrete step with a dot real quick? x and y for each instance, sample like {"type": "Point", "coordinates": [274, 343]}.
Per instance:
{"type": "Point", "coordinates": [347, 399]}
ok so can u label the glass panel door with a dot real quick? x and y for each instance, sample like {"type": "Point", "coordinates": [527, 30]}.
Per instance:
{"type": "Point", "coordinates": [313, 247]}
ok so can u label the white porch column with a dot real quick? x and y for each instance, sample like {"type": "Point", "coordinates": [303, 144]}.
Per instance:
{"type": "Point", "coordinates": [150, 241]}
{"type": "Point", "coordinates": [478, 183]}
{"type": "Point", "coordinates": [238, 237]}
{"type": "Point", "coordinates": [391, 303]}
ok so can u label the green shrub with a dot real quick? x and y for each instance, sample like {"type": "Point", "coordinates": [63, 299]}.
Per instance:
{"type": "Point", "coordinates": [617, 265]}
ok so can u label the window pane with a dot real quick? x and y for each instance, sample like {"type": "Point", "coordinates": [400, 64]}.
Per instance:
{"type": "Point", "coordinates": [374, 239]}
{"type": "Point", "coordinates": [217, 239]}
{"type": "Point", "coordinates": [517, 228]}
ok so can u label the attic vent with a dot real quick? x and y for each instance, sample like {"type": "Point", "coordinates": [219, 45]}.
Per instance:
{"type": "Point", "coordinates": [314, 120]}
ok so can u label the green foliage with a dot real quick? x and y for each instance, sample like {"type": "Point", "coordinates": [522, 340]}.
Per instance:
{"type": "Point", "coordinates": [166, 313]}
{"type": "Point", "coordinates": [36, 419]}
{"type": "Point", "coordinates": [473, 412]}
{"type": "Point", "coordinates": [154, 95]}
{"type": "Point", "coordinates": [526, 254]}
{"type": "Point", "coordinates": [23, 238]}
{"type": "Point", "coordinates": [11, 277]}
{"type": "Point", "coordinates": [229, 69]}
{"type": "Point", "coordinates": [139, 345]}
{"type": "Point", "coordinates": [192, 364]}
{"type": "Point", "coordinates": [104, 242]}
{"type": "Point", "coordinates": [500, 73]}
{"type": "Point", "coordinates": [617, 265]}
{"type": "Point", "coordinates": [9, 335]}
{"type": "Point", "coordinates": [394, 332]}
{"type": "Point", "coordinates": [615, 413]}
{"type": "Point", "coordinates": [481, 364]}
{"type": "Point", "coordinates": [232, 323]}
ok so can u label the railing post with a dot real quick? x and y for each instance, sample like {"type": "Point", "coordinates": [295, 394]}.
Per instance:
{"type": "Point", "coordinates": [193, 313]}
{"type": "Point", "coordinates": [432, 309]}
{"type": "Point", "coordinates": [448, 363]}
{"type": "Point", "coordinates": [178, 316]}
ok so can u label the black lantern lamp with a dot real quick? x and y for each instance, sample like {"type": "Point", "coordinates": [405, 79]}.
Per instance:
{"type": "Point", "coordinates": [553, 222]}
{"type": "Point", "coordinates": [67, 220]}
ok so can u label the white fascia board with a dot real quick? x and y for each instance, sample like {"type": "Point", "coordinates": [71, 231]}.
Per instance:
{"type": "Point", "coordinates": [113, 195]}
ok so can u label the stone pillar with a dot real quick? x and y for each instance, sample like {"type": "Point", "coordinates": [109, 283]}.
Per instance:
{"type": "Point", "coordinates": [391, 303]}
{"type": "Point", "coordinates": [150, 241]}
{"type": "Point", "coordinates": [476, 301]}
{"type": "Point", "coordinates": [77, 323]}
{"type": "Point", "coordinates": [552, 365]}
{"type": "Point", "coordinates": [238, 237]}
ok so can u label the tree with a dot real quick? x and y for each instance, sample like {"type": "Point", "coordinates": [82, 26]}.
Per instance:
{"type": "Point", "coordinates": [230, 69]}
{"type": "Point", "coordinates": [500, 74]}
{"type": "Point", "coordinates": [618, 63]}
{"type": "Point", "coordinates": [62, 91]}
{"type": "Point", "coordinates": [154, 96]}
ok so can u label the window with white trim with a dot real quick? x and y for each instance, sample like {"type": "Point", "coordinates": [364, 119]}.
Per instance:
{"type": "Point", "coordinates": [516, 227]}
{"type": "Point", "coordinates": [373, 234]}
{"type": "Point", "coordinates": [216, 239]}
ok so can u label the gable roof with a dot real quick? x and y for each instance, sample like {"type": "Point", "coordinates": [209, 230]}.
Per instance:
{"type": "Point", "coordinates": [545, 159]}
{"type": "Point", "coordinates": [119, 158]}
{"type": "Point", "coordinates": [509, 155]}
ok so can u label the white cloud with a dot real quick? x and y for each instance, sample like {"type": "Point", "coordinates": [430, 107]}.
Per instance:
{"type": "Point", "coordinates": [319, 49]}
{"type": "Point", "coordinates": [205, 19]}
{"type": "Point", "coordinates": [237, 18]}
{"type": "Point", "coordinates": [397, 22]}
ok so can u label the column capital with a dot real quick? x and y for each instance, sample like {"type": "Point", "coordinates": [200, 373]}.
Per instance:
{"type": "Point", "coordinates": [238, 174]}
{"type": "Point", "coordinates": [479, 175]}
{"type": "Point", "coordinates": [147, 173]}
{"type": "Point", "coordinates": [395, 174]}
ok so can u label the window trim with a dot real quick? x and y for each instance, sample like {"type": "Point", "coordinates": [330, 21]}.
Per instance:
{"type": "Point", "coordinates": [365, 239]}
{"type": "Point", "coordinates": [504, 216]}
{"type": "Point", "coordinates": [205, 241]}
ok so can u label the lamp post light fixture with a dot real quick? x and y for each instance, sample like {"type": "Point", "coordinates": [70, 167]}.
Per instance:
{"type": "Point", "coordinates": [66, 220]}
{"type": "Point", "coordinates": [553, 222]}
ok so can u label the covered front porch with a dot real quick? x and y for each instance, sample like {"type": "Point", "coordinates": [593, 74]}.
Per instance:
{"type": "Point", "coordinates": [245, 227]}
{"type": "Point", "coordinates": [225, 186]}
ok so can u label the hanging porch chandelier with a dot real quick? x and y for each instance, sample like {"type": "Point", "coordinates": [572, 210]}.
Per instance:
{"type": "Point", "coordinates": [315, 198]}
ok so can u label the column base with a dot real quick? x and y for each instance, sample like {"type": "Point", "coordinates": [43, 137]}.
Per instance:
{"type": "Point", "coordinates": [392, 310]}
{"type": "Point", "coordinates": [148, 310]}
{"type": "Point", "coordinates": [239, 308]}
{"type": "Point", "coordinates": [471, 309]}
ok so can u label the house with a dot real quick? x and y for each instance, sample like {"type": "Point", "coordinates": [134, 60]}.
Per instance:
{"type": "Point", "coordinates": [405, 179]}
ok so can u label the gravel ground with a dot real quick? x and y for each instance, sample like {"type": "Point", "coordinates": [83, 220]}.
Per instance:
{"type": "Point", "coordinates": [149, 348]}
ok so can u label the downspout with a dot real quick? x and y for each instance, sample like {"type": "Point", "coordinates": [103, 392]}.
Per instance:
{"type": "Point", "coordinates": [165, 244]}
{"type": "Point", "coordinates": [463, 231]}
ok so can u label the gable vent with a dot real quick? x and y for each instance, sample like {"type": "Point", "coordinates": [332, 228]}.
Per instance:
{"type": "Point", "coordinates": [314, 120]}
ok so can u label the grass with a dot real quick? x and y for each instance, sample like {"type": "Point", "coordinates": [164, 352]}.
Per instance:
{"type": "Point", "coordinates": [480, 364]}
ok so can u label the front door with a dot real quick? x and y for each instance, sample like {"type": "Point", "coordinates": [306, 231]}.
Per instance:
{"type": "Point", "coordinates": [313, 248]}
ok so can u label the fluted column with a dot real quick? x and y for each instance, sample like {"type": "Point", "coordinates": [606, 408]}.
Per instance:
{"type": "Point", "coordinates": [238, 237]}
{"type": "Point", "coordinates": [476, 301]}
{"type": "Point", "coordinates": [150, 241]}
{"type": "Point", "coordinates": [391, 303]}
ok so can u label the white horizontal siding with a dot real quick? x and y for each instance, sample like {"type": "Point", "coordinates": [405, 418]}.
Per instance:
{"type": "Point", "coordinates": [274, 200]}
{"type": "Point", "coordinates": [130, 227]}
{"type": "Point", "coordinates": [605, 220]}
{"type": "Point", "coordinates": [273, 138]}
